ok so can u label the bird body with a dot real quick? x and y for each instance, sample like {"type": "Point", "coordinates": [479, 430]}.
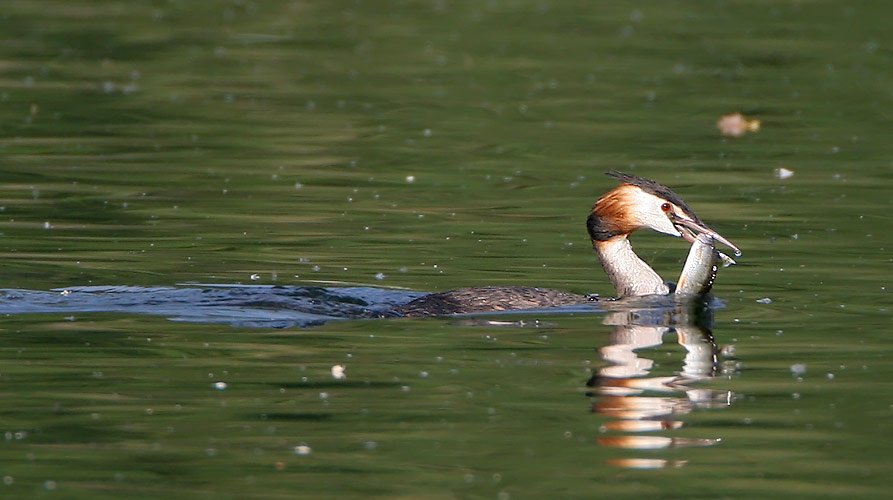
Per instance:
{"type": "Point", "coordinates": [637, 203]}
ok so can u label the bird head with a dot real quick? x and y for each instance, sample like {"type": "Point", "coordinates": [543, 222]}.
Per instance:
{"type": "Point", "coordinates": [641, 203]}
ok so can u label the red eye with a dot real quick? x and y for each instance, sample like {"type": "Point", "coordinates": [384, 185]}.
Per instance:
{"type": "Point", "coordinates": [666, 207]}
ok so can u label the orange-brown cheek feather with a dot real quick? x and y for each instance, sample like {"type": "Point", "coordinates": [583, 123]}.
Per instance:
{"type": "Point", "coordinates": [613, 209]}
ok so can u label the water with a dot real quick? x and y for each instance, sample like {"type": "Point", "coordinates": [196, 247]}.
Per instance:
{"type": "Point", "coordinates": [237, 305]}
{"type": "Point", "coordinates": [426, 146]}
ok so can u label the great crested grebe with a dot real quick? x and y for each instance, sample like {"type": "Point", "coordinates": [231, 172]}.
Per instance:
{"type": "Point", "coordinates": [636, 204]}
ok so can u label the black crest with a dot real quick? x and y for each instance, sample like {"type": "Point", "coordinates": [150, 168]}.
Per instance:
{"type": "Point", "coordinates": [656, 189]}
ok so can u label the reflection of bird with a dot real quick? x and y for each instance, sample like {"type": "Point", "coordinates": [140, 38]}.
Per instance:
{"type": "Point", "coordinates": [637, 203]}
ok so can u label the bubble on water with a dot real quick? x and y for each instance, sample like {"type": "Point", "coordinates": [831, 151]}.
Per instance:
{"type": "Point", "coordinates": [255, 277]}
{"type": "Point", "coordinates": [338, 372]}
{"type": "Point", "coordinates": [370, 445]}
{"type": "Point", "coordinates": [303, 450]}
{"type": "Point", "coordinates": [323, 396]}
{"type": "Point", "coordinates": [783, 173]}
{"type": "Point", "coordinates": [829, 376]}
{"type": "Point", "coordinates": [798, 369]}
{"type": "Point", "coordinates": [220, 386]}
{"type": "Point", "coordinates": [49, 485]}
{"type": "Point", "coordinates": [764, 300]}
{"type": "Point", "coordinates": [380, 276]}
{"type": "Point", "coordinates": [410, 179]}
{"type": "Point", "coordinates": [47, 225]}
{"type": "Point", "coordinates": [8, 480]}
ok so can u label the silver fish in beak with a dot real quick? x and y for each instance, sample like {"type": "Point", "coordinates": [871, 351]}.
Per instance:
{"type": "Point", "coordinates": [699, 270]}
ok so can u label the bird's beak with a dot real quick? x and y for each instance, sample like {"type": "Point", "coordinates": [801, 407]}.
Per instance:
{"type": "Point", "coordinates": [689, 227]}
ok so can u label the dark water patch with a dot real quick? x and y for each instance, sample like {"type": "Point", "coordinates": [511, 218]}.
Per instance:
{"type": "Point", "coordinates": [298, 416]}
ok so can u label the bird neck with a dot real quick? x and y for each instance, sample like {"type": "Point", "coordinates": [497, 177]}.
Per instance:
{"type": "Point", "coordinates": [629, 274]}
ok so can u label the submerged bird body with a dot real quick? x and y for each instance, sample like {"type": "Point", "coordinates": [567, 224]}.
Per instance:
{"type": "Point", "coordinates": [636, 204]}
{"type": "Point", "coordinates": [490, 299]}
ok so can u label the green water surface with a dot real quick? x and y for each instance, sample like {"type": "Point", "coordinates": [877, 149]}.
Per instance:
{"type": "Point", "coordinates": [431, 145]}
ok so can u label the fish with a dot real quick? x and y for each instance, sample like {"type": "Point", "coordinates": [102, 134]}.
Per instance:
{"type": "Point", "coordinates": [700, 267]}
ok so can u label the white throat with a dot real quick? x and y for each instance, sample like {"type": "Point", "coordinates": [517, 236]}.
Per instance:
{"type": "Point", "coordinates": [629, 274]}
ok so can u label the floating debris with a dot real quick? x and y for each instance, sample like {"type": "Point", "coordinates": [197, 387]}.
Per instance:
{"type": "Point", "coordinates": [764, 300]}
{"type": "Point", "coordinates": [338, 372]}
{"type": "Point", "coordinates": [736, 125]}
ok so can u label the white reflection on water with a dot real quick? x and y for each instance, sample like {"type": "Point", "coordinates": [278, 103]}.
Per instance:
{"type": "Point", "coordinates": [638, 401]}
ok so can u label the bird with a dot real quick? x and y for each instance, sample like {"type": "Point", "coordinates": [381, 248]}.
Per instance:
{"type": "Point", "coordinates": [637, 203]}
{"type": "Point", "coordinates": [640, 203]}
